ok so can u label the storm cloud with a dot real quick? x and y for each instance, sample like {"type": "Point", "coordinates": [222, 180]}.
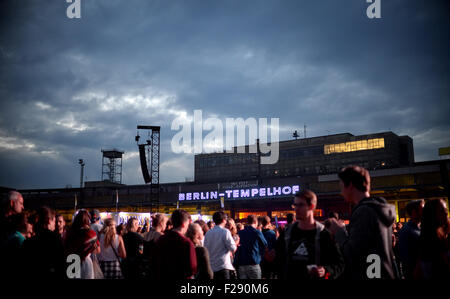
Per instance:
{"type": "Point", "coordinates": [70, 87]}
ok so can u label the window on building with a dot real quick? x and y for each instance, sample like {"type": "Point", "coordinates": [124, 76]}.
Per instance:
{"type": "Point", "coordinates": [353, 146]}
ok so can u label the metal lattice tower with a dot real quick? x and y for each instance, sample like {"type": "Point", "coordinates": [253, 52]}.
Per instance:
{"type": "Point", "coordinates": [112, 166]}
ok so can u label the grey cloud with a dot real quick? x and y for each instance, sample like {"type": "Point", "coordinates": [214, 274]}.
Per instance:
{"type": "Point", "coordinates": [323, 63]}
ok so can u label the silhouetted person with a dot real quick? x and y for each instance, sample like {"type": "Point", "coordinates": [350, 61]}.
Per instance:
{"type": "Point", "coordinates": [408, 239]}
{"type": "Point", "coordinates": [44, 253]}
{"type": "Point", "coordinates": [370, 228]}
{"type": "Point", "coordinates": [434, 254]}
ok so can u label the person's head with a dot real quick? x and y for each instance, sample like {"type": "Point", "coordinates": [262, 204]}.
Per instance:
{"type": "Point", "coordinates": [203, 225]}
{"type": "Point", "coordinates": [211, 224]}
{"type": "Point", "coordinates": [414, 210]}
{"type": "Point", "coordinates": [220, 218]}
{"type": "Point", "coordinates": [169, 225]}
{"type": "Point", "coordinates": [195, 234]}
{"type": "Point", "coordinates": [252, 220]}
{"type": "Point", "coordinates": [132, 225]}
{"type": "Point", "coordinates": [120, 229]}
{"type": "Point", "coordinates": [95, 216]}
{"type": "Point", "coordinates": [239, 226]}
{"type": "Point", "coordinates": [304, 204]}
{"type": "Point", "coordinates": [109, 229]}
{"type": "Point", "coordinates": [159, 222]}
{"type": "Point", "coordinates": [181, 219]}
{"type": "Point", "coordinates": [259, 225]}
{"type": "Point", "coordinates": [60, 223]}
{"type": "Point", "coordinates": [435, 221]}
{"type": "Point", "coordinates": [14, 203]}
{"type": "Point", "coordinates": [82, 220]}
{"type": "Point", "coordinates": [231, 226]}
{"type": "Point", "coordinates": [265, 222]}
{"type": "Point", "coordinates": [354, 182]}
{"type": "Point", "coordinates": [289, 218]}
{"type": "Point", "coordinates": [20, 223]}
{"type": "Point", "coordinates": [46, 218]}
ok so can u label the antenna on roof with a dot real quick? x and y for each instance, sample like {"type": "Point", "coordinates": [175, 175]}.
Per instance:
{"type": "Point", "coordinates": [304, 129]}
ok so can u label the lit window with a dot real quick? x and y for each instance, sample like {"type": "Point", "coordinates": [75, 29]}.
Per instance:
{"type": "Point", "coordinates": [353, 146]}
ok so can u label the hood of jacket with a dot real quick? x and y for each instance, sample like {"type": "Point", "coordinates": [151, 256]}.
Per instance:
{"type": "Point", "coordinates": [385, 211]}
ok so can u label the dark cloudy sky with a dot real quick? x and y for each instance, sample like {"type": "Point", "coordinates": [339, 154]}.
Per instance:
{"type": "Point", "coordinates": [70, 87]}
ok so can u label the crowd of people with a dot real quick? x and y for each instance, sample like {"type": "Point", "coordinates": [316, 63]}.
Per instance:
{"type": "Point", "coordinates": [371, 245]}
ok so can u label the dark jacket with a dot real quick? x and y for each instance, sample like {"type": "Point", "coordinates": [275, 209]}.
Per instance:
{"type": "Point", "coordinates": [252, 247]}
{"type": "Point", "coordinates": [325, 253]}
{"type": "Point", "coordinates": [43, 256]}
{"type": "Point", "coordinates": [408, 245]}
{"type": "Point", "coordinates": [369, 232]}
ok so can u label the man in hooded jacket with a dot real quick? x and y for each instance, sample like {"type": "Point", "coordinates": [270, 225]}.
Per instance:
{"type": "Point", "coordinates": [366, 243]}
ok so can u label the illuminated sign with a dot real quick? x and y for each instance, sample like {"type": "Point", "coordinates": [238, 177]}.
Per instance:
{"type": "Point", "coordinates": [264, 192]}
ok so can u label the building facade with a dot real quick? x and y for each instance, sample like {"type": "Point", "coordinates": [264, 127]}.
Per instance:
{"type": "Point", "coordinates": [240, 185]}
{"type": "Point", "coordinates": [309, 156]}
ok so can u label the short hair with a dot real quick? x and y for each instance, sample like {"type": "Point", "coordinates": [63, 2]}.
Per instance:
{"type": "Point", "coordinates": [252, 219]}
{"type": "Point", "coordinates": [413, 206]}
{"type": "Point", "coordinates": [219, 217]}
{"type": "Point", "coordinates": [95, 215]}
{"type": "Point", "coordinates": [44, 215]}
{"type": "Point", "coordinates": [179, 217]}
{"type": "Point", "coordinates": [357, 176]}
{"type": "Point", "coordinates": [265, 220]}
{"type": "Point", "coordinates": [14, 195]}
{"type": "Point", "coordinates": [309, 196]}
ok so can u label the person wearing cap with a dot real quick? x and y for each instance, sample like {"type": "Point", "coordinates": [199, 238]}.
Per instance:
{"type": "Point", "coordinates": [95, 221]}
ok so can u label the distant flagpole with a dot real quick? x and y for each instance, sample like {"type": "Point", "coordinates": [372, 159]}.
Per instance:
{"type": "Point", "coordinates": [178, 201]}
{"type": "Point", "coordinates": [117, 199]}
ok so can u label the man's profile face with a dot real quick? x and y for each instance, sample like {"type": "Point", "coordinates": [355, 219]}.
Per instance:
{"type": "Point", "coordinates": [60, 223]}
{"type": "Point", "coordinates": [17, 205]}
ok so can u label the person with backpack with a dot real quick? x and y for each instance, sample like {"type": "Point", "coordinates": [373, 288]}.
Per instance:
{"type": "Point", "coordinates": [309, 250]}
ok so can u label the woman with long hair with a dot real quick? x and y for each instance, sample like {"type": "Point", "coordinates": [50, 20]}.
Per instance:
{"type": "Point", "coordinates": [112, 250]}
{"type": "Point", "coordinates": [80, 239]}
{"type": "Point", "coordinates": [434, 248]}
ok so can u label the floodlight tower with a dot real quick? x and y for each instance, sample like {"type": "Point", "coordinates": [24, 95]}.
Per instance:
{"type": "Point", "coordinates": [81, 162]}
{"type": "Point", "coordinates": [112, 165]}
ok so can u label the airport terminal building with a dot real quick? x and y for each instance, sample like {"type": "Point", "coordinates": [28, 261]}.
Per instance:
{"type": "Point", "coordinates": [242, 186]}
